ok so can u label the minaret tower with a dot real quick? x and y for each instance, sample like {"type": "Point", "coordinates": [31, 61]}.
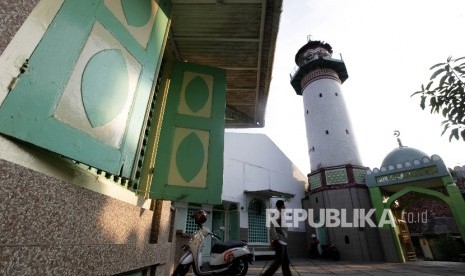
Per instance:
{"type": "Point", "coordinates": [337, 177]}
{"type": "Point", "coordinates": [329, 132]}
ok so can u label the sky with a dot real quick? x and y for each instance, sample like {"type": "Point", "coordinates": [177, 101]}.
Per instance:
{"type": "Point", "coordinates": [388, 48]}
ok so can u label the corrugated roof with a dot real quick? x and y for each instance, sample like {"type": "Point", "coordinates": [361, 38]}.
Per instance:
{"type": "Point", "coordinates": [236, 35]}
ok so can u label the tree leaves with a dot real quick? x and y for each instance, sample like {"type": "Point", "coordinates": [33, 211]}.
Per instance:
{"type": "Point", "coordinates": [435, 74]}
{"type": "Point", "coordinates": [445, 95]}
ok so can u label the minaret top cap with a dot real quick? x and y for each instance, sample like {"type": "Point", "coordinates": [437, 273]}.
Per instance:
{"type": "Point", "coordinates": [312, 44]}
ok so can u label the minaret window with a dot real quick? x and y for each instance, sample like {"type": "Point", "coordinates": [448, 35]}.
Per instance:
{"type": "Point", "coordinates": [347, 131]}
{"type": "Point", "coordinates": [321, 95]}
{"type": "Point", "coordinates": [346, 239]}
{"type": "Point", "coordinates": [307, 111]}
{"type": "Point", "coordinates": [336, 94]}
{"type": "Point", "coordinates": [327, 132]}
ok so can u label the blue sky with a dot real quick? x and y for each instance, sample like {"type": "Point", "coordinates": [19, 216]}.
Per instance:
{"type": "Point", "coordinates": [388, 48]}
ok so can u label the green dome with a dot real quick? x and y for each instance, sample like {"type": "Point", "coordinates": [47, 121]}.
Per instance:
{"type": "Point", "coordinates": [402, 155]}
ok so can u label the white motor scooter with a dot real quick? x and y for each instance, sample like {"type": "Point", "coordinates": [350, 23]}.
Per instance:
{"type": "Point", "coordinates": [230, 258]}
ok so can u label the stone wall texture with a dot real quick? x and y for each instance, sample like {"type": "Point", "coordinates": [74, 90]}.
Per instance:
{"type": "Point", "coordinates": [12, 15]}
{"type": "Point", "coordinates": [50, 227]}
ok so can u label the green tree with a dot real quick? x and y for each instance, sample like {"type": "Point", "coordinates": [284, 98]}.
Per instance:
{"type": "Point", "coordinates": [445, 94]}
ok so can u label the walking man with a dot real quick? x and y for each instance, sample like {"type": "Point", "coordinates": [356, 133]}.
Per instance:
{"type": "Point", "coordinates": [278, 236]}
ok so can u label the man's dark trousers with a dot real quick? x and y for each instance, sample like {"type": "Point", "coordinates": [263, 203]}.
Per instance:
{"type": "Point", "coordinates": [281, 258]}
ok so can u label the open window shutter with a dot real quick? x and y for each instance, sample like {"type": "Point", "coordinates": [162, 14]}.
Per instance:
{"type": "Point", "coordinates": [189, 162]}
{"type": "Point", "coordinates": [233, 225]}
{"type": "Point", "coordinates": [89, 82]}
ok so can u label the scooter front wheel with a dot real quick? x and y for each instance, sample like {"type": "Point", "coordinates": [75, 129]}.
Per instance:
{"type": "Point", "coordinates": [181, 270]}
{"type": "Point", "coordinates": [239, 267]}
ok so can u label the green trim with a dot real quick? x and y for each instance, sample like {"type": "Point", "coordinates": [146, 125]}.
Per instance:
{"type": "Point", "coordinates": [454, 200]}
{"type": "Point", "coordinates": [420, 190]}
{"type": "Point", "coordinates": [138, 13]}
{"type": "Point", "coordinates": [336, 176]}
{"type": "Point", "coordinates": [190, 167]}
{"type": "Point", "coordinates": [359, 176]}
{"type": "Point", "coordinates": [105, 77]}
{"type": "Point", "coordinates": [27, 112]}
{"type": "Point", "coordinates": [192, 122]}
{"type": "Point", "coordinates": [433, 167]}
{"type": "Point", "coordinates": [377, 202]}
{"type": "Point", "coordinates": [407, 175]}
{"type": "Point", "coordinates": [119, 31]}
{"type": "Point", "coordinates": [154, 49]}
{"type": "Point", "coordinates": [377, 199]}
{"type": "Point", "coordinates": [45, 81]}
{"type": "Point", "coordinates": [213, 127]}
{"type": "Point", "coordinates": [54, 132]}
{"type": "Point", "coordinates": [234, 224]}
{"type": "Point", "coordinates": [159, 34]}
{"type": "Point", "coordinates": [457, 205]}
{"type": "Point", "coordinates": [196, 94]}
{"type": "Point", "coordinates": [315, 181]}
{"type": "Point", "coordinates": [406, 190]}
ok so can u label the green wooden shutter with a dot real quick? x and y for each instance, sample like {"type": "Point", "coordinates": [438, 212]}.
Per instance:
{"type": "Point", "coordinates": [217, 219]}
{"type": "Point", "coordinates": [189, 162]}
{"type": "Point", "coordinates": [89, 82]}
{"type": "Point", "coordinates": [234, 225]}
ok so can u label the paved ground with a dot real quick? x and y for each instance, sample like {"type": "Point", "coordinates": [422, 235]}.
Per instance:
{"type": "Point", "coordinates": [304, 267]}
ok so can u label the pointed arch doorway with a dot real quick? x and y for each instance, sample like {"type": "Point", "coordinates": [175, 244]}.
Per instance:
{"type": "Point", "coordinates": [420, 177]}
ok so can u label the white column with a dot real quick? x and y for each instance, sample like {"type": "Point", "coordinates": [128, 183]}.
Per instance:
{"type": "Point", "coordinates": [330, 137]}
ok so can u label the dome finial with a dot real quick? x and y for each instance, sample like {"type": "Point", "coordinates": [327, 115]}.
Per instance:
{"type": "Point", "coordinates": [397, 134]}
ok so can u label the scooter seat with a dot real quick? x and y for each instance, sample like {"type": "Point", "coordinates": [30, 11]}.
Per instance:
{"type": "Point", "coordinates": [220, 247]}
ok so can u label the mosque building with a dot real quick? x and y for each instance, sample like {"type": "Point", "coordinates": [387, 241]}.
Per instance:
{"type": "Point", "coordinates": [338, 179]}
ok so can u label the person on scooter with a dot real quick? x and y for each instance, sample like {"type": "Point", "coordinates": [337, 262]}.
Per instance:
{"type": "Point", "coordinates": [278, 236]}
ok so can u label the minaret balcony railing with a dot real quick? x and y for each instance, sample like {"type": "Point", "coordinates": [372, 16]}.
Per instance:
{"type": "Point", "coordinates": [296, 68]}
{"type": "Point", "coordinates": [337, 65]}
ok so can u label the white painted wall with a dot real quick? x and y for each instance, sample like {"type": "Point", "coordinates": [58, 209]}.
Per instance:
{"type": "Point", "coordinates": [328, 113]}
{"type": "Point", "coordinates": [253, 162]}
